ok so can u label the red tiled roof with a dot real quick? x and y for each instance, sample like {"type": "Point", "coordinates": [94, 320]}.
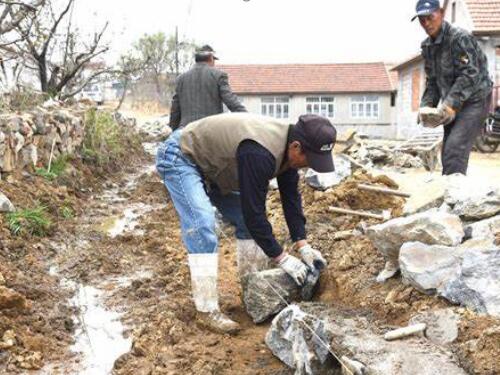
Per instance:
{"type": "Point", "coordinates": [485, 15]}
{"type": "Point", "coordinates": [308, 78]}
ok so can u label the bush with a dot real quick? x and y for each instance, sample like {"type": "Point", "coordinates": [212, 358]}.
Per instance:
{"type": "Point", "coordinates": [29, 221]}
{"type": "Point", "coordinates": [105, 140]}
{"type": "Point", "coordinates": [56, 169]}
{"type": "Point", "coordinates": [22, 99]}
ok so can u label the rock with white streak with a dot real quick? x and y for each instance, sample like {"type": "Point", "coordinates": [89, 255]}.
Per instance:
{"type": "Point", "coordinates": [476, 285]}
{"type": "Point", "coordinates": [298, 336]}
{"type": "Point", "coordinates": [433, 227]}
{"type": "Point", "coordinates": [268, 292]}
{"type": "Point", "coordinates": [5, 204]}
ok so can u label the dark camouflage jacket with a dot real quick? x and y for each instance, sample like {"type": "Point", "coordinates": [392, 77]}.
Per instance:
{"type": "Point", "coordinates": [456, 69]}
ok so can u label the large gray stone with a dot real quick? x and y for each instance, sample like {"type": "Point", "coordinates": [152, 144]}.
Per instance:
{"type": "Point", "coordinates": [324, 181]}
{"type": "Point", "coordinates": [477, 208]}
{"type": "Point", "coordinates": [299, 334]}
{"type": "Point", "coordinates": [433, 227]}
{"type": "Point", "coordinates": [5, 204]}
{"type": "Point", "coordinates": [442, 325]}
{"type": "Point", "coordinates": [472, 199]}
{"type": "Point", "coordinates": [483, 229]}
{"type": "Point", "coordinates": [476, 285]}
{"type": "Point", "coordinates": [428, 267]}
{"type": "Point", "coordinates": [268, 292]}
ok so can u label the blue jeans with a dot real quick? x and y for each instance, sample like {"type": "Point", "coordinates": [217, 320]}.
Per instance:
{"type": "Point", "coordinates": [193, 204]}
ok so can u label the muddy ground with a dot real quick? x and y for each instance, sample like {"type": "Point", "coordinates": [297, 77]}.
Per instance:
{"type": "Point", "coordinates": [139, 265]}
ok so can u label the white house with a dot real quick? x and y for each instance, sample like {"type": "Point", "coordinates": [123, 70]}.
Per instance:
{"type": "Point", "coordinates": [357, 96]}
{"type": "Point", "coordinates": [482, 18]}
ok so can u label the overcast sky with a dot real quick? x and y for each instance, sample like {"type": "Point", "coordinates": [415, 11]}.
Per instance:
{"type": "Point", "coordinates": [267, 31]}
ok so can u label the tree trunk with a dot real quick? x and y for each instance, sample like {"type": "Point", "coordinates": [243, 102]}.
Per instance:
{"type": "Point", "coordinates": [158, 88]}
{"type": "Point", "coordinates": [124, 94]}
{"type": "Point", "coordinates": [42, 73]}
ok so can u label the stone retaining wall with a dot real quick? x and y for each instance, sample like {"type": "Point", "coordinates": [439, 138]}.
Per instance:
{"type": "Point", "coordinates": [26, 139]}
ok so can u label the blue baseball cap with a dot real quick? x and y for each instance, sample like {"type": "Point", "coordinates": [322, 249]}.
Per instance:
{"type": "Point", "coordinates": [426, 7]}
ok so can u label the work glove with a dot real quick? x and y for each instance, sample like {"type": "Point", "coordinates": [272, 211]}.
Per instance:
{"type": "Point", "coordinates": [294, 267]}
{"type": "Point", "coordinates": [312, 258]}
{"type": "Point", "coordinates": [447, 113]}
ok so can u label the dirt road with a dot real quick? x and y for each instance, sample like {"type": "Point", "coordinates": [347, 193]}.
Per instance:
{"type": "Point", "coordinates": [109, 291]}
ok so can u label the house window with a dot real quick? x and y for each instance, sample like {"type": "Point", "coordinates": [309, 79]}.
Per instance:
{"type": "Point", "coordinates": [321, 105]}
{"type": "Point", "coordinates": [275, 106]}
{"type": "Point", "coordinates": [365, 107]}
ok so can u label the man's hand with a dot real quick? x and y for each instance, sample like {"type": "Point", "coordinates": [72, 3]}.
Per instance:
{"type": "Point", "coordinates": [312, 257]}
{"type": "Point", "coordinates": [448, 114]}
{"type": "Point", "coordinates": [294, 267]}
{"type": "Point", "coordinates": [433, 117]}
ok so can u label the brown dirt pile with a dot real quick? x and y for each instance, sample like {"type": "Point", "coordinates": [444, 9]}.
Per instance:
{"type": "Point", "coordinates": [36, 322]}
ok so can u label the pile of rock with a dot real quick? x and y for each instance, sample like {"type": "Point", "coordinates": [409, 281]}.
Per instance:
{"type": "Point", "coordinates": [451, 250]}
{"type": "Point", "coordinates": [159, 128]}
{"type": "Point", "coordinates": [371, 155]}
{"type": "Point", "coordinates": [320, 339]}
{"type": "Point", "coordinates": [26, 139]}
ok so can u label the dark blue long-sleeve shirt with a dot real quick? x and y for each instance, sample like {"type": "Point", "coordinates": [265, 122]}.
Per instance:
{"type": "Point", "coordinates": [256, 166]}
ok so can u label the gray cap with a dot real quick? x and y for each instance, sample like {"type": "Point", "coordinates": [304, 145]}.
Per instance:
{"type": "Point", "coordinates": [206, 50]}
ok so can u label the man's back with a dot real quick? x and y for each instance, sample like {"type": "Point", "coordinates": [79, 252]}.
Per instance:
{"type": "Point", "coordinates": [201, 92]}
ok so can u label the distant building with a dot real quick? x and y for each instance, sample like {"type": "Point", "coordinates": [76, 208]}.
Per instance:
{"type": "Point", "coordinates": [357, 96]}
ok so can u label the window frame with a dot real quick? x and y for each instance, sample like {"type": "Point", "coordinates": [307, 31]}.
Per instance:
{"type": "Point", "coordinates": [272, 105]}
{"type": "Point", "coordinates": [321, 100]}
{"type": "Point", "coordinates": [361, 103]}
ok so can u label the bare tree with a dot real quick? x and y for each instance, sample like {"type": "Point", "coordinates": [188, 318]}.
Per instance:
{"type": "Point", "coordinates": [12, 13]}
{"type": "Point", "coordinates": [58, 57]}
{"type": "Point", "coordinates": [129, 68]}
{"type": "Point", "coordinates": [163, 56]}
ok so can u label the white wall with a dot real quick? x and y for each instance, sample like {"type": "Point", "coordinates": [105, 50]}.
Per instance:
{"type": "Point", "coordinates": [463, 18]}
{"type": "Point", "coordinates": [383, 127]}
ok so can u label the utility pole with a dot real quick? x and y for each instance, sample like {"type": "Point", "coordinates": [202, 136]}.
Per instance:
{"type": "Point", "coordinates": [176, 51]}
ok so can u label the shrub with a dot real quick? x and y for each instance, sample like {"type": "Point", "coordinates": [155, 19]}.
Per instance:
{"type": "Point", "coordinates": [56, 169]}
{"type": "Point", "coordinates": [105, 140]}
{"type": "Point", "coordinates": [29, 221]}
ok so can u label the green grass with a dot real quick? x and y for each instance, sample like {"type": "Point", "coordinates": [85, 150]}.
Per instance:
{"type": "Point", "coordinates": [56, 169]}
{"type": "Point", "coordinates": [33, 221]}
{"type": "Point", "coordinates": [103, 137]}
{"type": "Point", "coordinates": [67, 212]}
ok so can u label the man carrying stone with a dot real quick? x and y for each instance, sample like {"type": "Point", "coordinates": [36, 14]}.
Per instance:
{"type": "Point", "coordinates": [241, 152]}
{"type": "Point", "coordinates": [457, 80]}
{"type": "Point", "coordinates": [201, 91]}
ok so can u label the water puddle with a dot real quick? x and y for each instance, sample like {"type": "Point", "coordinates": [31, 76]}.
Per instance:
{"type": "Point", "coordinates": [99, 338]}
{"type": "Point", "coordinates": [117, 225]}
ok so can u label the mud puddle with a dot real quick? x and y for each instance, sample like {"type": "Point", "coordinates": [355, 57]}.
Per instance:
{"type": "Point", "coordinates": [100, 337]}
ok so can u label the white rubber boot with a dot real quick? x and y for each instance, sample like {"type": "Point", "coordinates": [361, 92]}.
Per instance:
{"type": "Point", "coordinates": [250, 258]}
{"type": "Point", "coordinates": [390, 269]}
{"type": "Point", "coordinates": [203, 268]}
